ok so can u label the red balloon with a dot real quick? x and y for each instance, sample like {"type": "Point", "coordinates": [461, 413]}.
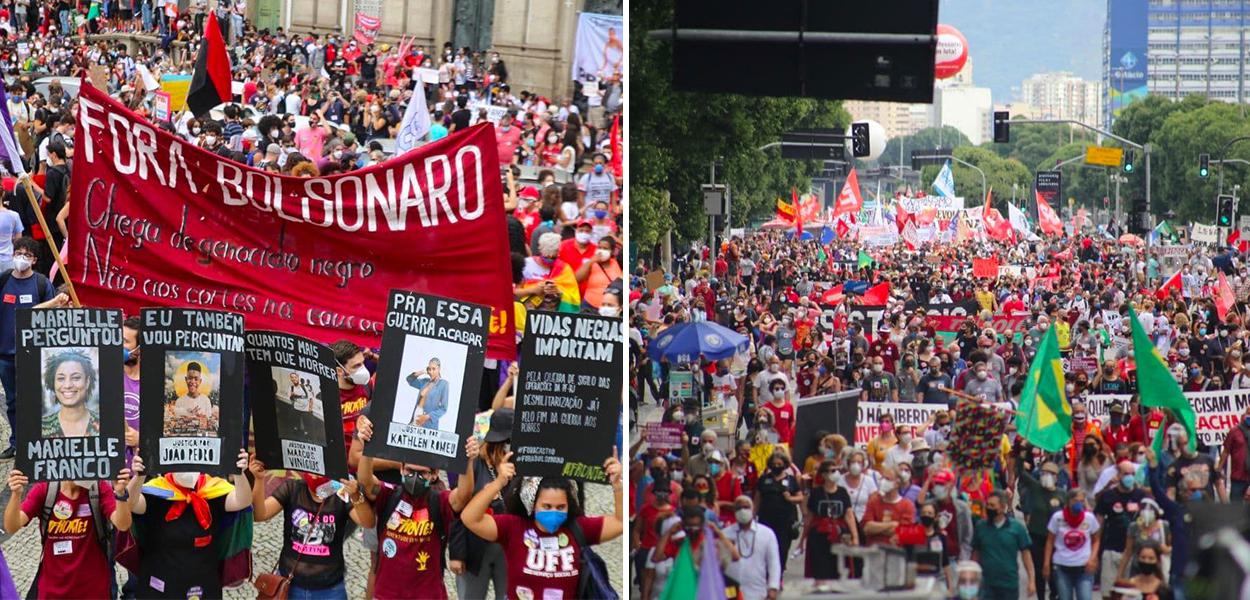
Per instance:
{"type": "Point", "coordinates": [952, 52]}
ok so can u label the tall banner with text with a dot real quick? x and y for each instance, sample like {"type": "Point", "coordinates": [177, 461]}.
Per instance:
{"type": "Point", "coordinates": [155, 221]}
{"type": "Point", "coordinates": [294, 396]}
{"type": "Point", "coordinates": [69, 397]}
{"type": "Point", "coordinates": [191, 396]}
{"type": "Point", "coordinates": [428, 380]}
{"type": "Point", "coordinates": [568, 400]}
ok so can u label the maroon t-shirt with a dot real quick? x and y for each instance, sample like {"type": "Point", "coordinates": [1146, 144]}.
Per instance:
{"type": "Point", "coordinates": [410, 552]}
{"type": "Point", "coordinates": [542, 566]}
{"type": "Point", "coordinates": [73, 563]}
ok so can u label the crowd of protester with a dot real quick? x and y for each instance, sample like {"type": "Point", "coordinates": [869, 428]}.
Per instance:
{"type": "Point", "coordinates": [1107, 516]}
{"type": "Point", "coordinates": [311, 105]}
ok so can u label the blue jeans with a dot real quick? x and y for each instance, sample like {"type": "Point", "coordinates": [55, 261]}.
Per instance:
{"type": "Point", "coordinates": [8, 376]}
{"type": "Point", "coordinates": [989, 592]}
{"type": "Point", "coordinates": [146, 12]}
{"type": "Point", "coordinates": [64, 16]}
{"type": "Point", "coordinates": [338, 592]}
{"type": "Point", "coordinates": [1073, 583]}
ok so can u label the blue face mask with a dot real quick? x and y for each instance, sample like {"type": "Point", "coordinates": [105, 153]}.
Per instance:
{"type": "Point", "coordinates": [601, 214]}
{"type": "Point", "coordinates": [551, 520]}
{"type": "Point", "coordinates": [1128, 481]}
{"type": "Point", "coordinates": [598, 169]}
{"type": "Point", "coordinates": [1078, 507]}
{"type": "Point", "coordinates": [125, 354]}
{"type": "Point", "coordinates": [714, 470]}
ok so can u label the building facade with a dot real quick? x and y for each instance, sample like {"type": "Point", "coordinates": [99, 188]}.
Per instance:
{"type": "Point", "coordinates": [535, 38]}
{"type": "Point", "coordinates": [1063, 95]}
{"type": "Point", "coordinates": [965, 108]}
{"type": "Point", "coordinates": [896, 118]}
{"type": "Point", "coordinates": [1174, 48]}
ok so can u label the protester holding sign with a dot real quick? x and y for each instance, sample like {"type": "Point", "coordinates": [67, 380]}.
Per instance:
{"type": "Point", "coordinates": [316, 522]}
{"type": "Point", "coordinates": [76, 521]}
{"type": "Point", "coordinates": [543, 548]}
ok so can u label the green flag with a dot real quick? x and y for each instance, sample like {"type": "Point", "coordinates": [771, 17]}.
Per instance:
{"type": "Point", "coordinates": [821, 257]}
{"type": "Point", "coordinates": [683, 581]}
{"type": "Point", "coordinates": [865, 260]}
{"type": "Point", "coordinates": [1045, 416]}
{"type": "Point", "coordinates": [1155, 384]}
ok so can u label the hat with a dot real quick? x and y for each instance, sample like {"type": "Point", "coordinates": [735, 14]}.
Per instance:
{"type": "Point", "coordinates": [1117, 407]}
{"type": "Point", "coordinates": [500, 426]}
{"type": "Point", "coordinates": [718, 456]}
{"type": "Point", "coordinates": [127, 88]}
{"type": "Point", "coordinates": [273, 149]}
{"type": "Point", "coordinates": [943, 477]}
{"type": "Point", "coordinates": [394, 94]}
{"type": "Point", "coordinates": [584, 221]}
{"type": "Point", "coordinates": [919, 444]}
{"type": "Point", "coordinates": [530, 192]}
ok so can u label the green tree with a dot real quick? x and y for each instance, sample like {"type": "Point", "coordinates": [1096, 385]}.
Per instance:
{"type": "Point", "coordinates": [1140, 122]}
{"type": "Point", "coordinates": [1087, 184]}
{"type": "Point", "coordinates": [675, 136]}
{"type": "Point", "coordinates": [1182, 136]}
{"type": "Point", "coordinates": [1030, 144]}
{"type": "Point", "coordinates": [1000, 173]}
{"type": "Point", "coordinates": [926, 139]}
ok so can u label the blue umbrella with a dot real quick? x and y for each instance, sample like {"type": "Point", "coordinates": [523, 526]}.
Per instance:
{"type": "Point", "coordinates": [806, 237]}
{"type": "Point", "coordinates": [826, 235]}
{"type": "Point", "coordinates": [684, 342]}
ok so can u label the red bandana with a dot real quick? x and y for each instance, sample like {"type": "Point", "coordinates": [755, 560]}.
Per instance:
{"type": "Point", "coordinates": [193, 497]}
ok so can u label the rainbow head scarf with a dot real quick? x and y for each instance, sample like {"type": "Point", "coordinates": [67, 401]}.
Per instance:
{"type": "Point", "coordinates": [207, 488]}
{"type": "Point", "coordinates": [562, 275]}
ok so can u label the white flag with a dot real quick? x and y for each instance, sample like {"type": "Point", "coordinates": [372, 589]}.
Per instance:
{"type": "Point", "coordinates": [944, 183]}
{"type": "Point", "coordinates": [1020, 222]}
{"type": "Point", "coordinates": [149, 81]}
{"type": "Point", "coordinates": [416, 123]}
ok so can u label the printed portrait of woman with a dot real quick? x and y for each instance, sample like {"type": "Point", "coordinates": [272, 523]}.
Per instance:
{"type": "Point", "coordinates": [71, 406]}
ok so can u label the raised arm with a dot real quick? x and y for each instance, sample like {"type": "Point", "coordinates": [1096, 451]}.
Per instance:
{"type": "Point", "coordinates": [614, 525]}
{"type": "Point", "coordinates": [14, 518]}
{"type": "Point", "coordinates": [464, 487]}
{"type": "Point", "coordinates": [241, 497]}
{"type": "Point", "coordinates": [264, 507]}
{"type": "Point", "coordinates": [362, 510]}
{"type": "Point", "coordinates": [121, 518]}
{"type": "Point", "coordinates": [134, 487]}
{"type": "Point", "coordinates": [474, 516]}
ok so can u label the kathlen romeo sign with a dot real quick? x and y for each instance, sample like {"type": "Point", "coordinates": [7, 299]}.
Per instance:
{"type": "Point", "coordinates": [156, 221]}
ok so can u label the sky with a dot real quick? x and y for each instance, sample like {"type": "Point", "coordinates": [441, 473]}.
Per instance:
{"type": "Point", "coordinates": [1009, 40]}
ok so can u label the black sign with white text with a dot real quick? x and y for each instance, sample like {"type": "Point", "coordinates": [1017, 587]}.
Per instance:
{"type": "Point", "coordinates": [568, 400]}
{"type": "Point", "coordinates": [69, 394]}
{"type": "Point", "coordinates": [191, 395]}
{"type": "Point", "coordinates": [428, 378]}
{"type": "Point", "coordinates": [294, 397]}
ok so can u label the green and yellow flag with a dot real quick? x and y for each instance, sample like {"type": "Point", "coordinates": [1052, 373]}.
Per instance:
{"type": "Point", "coordinates": [865, 260]}
{"type": "Point", "coordinates": [1155, 384]}
{"type": "Point", "coordinates": [1045, 416]}
{"type": "Point", "coordinates": [683, 581]}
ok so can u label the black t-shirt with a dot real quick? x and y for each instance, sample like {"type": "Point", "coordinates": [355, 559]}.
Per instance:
{"type": "Point", "coordinates": [774, 508]}
{"type": "Point", "coordinates": [179, 557]}
{"type": "Point", "coordinates": [1117, 509]}
{"type": "Point", "coordinates": [1119, 386]}
{"type": "Point", "coordinates": [822, 504]}
{"type": "Point", "coordinates": [1196, 472]}
{"type": "Point", "coordinates": [318, 538]}
{"type": "Point", "coordinates": [368, 67]}
{"type": "Point", "coordinates": [460, 118]}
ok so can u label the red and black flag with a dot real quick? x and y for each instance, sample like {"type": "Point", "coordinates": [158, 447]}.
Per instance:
{"type": "Point", "coordinates": [210, 85]}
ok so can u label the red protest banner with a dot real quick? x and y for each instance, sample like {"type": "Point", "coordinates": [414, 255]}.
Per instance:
{"type": "Point", "coordinates": [155, 221]}
{"type": "Point", "coordinates": [985, 267]}
{"type": "Point", "coordinates": [366, 28]}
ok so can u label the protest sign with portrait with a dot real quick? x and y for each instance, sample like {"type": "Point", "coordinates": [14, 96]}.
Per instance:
{"type": "Point", "coordinates": [568, 400]}
{"type": "Point", "coordinates": [69, 416]}
{"type": "Point", "coordinates": [428, 378]}
{"type": "Point", "coordinates": [297, 425]}
{"type": "Point", "coordinates": [191, 399]}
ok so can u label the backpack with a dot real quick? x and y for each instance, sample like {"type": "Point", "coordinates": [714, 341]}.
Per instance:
{"type": "Point", "coordinates": [433, 504]}
{"type": "Point", "coordinates": [103, 532]}
{"type": "Point", "coordinates": [592, 580]}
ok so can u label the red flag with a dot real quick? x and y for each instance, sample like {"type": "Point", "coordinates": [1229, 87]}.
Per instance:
{"type": "Point", "coordinates": [997, 227]}
{"type": "Point", "coordinates": [833, 296]}
{"type": "Point", "coordinates": [1077, 221]}
{"type": "Point", "coordinates": [1047, 219]}
{"type": "Point", "coordinates": [927, 216]}
{"type": "Point", "coordinates": [876, 295]}
{"type": "Point", "coordinates": [849, 200]}
{"type": "Point", "coordinates": [1234, 236]}
{"type": "Point", "coordinates": [841, 229]}
{"type": "Point", "coordinates": [798, 213]}
{"type": "Point", "coordinates": [985, 267]}
{"type": "Point", "coordinates": [1173, 283]}
{"type": "Point", "coordinates": [785, 212]}
{"type": "Point", "coordinates": [1224, 297]}
{"type": "Point", "coordinates": [1243, 246]}
{"type": "Point", "coordinates": [618, 163]}
{"type": "Point", "coordinates": [902, 217]}
{"type": "Point", "coordinates": [210, 83]}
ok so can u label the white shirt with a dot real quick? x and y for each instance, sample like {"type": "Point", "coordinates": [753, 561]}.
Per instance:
{"type": "Point", "coordinates": [759, 569]}
{"type": "Point", "coordinates": [1072, 545]}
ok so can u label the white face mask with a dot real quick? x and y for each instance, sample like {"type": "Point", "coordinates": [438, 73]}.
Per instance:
{"type": "Point", "coordinates": [609, 311]}
{"type": "Point", "coordinates": [1048, 481]}
{"type": "Point", "coordinates": [22, 263]}
{"type": "Point", "coordinates": [939, 492]}
{"type": "Point", "coordinates": [210, 140]}
{"type": "Point", "coordinates": [887, 486]}
{"type": "Point", "coordinates": [743, 516]}
{"type": "Point", "coordinates": [856, 468]}
{"type": "Point", "coordinates": [602, 254]}
{"type": "Point", "coordinates": [360, 376]}
{"type": "Point", "coordinates": [187, 479]}
{"type": "Point", "coordinates": [1147, 516]}
{"type": "Point", "coordinates": [582, 237]}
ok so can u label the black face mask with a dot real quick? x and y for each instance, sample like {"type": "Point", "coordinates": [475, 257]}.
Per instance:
{"type": "Point", "coordinates": [927, 521]}
{"type": "Point", "coordinates": [991, 514]}
{"type": "Point", "coordinates": [1090, 450]}
{"type": "Point", "coordinates": [777, 468]}
{"type": "Point", "coordinates": [692, 533]}
{"type": "Point", "coordinates": [1148, 568]}
{"type": "Point", "coordinates": [415, 484]}
{"type": "Point", "coordinates": [657, 473]}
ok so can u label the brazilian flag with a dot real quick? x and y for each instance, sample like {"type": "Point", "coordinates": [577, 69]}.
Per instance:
{"type": "Point", "coordinates": [864, 260]}
{"type": "Point", "coordinates": [1045, 416]}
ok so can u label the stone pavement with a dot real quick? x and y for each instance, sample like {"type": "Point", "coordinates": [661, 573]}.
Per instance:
{"type": "Point", "coordinates": [23, 550]}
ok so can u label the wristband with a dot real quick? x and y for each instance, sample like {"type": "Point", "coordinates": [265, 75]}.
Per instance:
{"type": "Point", "coordinates": [122, 497]}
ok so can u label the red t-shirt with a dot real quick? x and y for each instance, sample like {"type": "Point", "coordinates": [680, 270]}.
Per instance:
{"type": "Point", "coordinates": [902, 511]}
{"type": "Point", "coordinates": [506, 142]}
{"type": "Point", "coordinates": [73, 563]}
{"type": "Point", "coordinates": [783, 420]}
{"type": "Point", "coordinates": [410, 553]}
{"type": "Point", "coordinates": [542, 566]}
{"type": "Point", "coordinates": [352, 402]}
{"type": "Point", "coordinates": [571, 256]}
{"type": "Point", "coordinates": [648, 516]}
{"type": "Point", "coordinates": [728, 487]}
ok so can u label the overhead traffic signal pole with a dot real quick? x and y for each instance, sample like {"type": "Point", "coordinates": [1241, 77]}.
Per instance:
{"type": "Point", "coordinates": [1145, 148]}
{"type": "Point", "coordinates": [1221, 159]}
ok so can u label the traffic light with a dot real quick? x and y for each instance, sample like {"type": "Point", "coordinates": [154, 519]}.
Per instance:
{"type": "Point", "coordinates": [1002, 132]}
{"type": "Point", "coordinates": [1204, 165]}
{"type": "Point", "coordinates": [1224, 211]}
{"type": "Point", "coordinates": [1129, 155]}
{"type": "Point", "coordinates": [859, 140]}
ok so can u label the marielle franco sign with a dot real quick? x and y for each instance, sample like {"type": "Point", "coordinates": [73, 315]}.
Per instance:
{"type": "Point", "coordinates": [156, 221]}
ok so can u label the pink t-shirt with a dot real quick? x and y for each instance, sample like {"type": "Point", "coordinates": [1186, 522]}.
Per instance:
{"type": "Point", "coordinates": [310, 141]}
{"type": "Point", "coordinates": [508, 142]}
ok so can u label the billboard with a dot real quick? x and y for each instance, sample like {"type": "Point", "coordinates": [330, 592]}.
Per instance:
{"type": "Point", "coordinates": [1125, 70]}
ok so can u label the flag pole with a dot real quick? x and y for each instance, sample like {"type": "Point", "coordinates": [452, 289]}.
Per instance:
{"type": "Point", "coordinates": [56, 252]}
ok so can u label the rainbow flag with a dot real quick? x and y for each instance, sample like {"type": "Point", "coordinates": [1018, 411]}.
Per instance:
{"type": "Point", "coordinates": [570, 295]}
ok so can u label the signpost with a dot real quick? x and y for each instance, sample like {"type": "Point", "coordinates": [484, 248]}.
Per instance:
{"type": "Point", "coordinates": [1103, 156]}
